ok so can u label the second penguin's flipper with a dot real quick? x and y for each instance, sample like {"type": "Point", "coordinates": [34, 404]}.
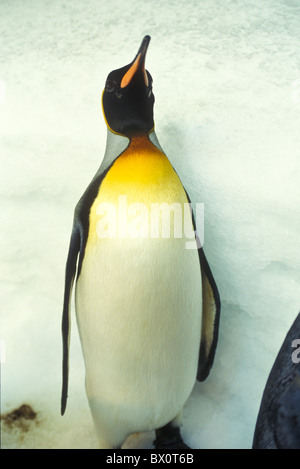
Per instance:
{"type": "Point", "coordinates": [69, 281]}
{"type": "Point", "coordinates": [211, 307]}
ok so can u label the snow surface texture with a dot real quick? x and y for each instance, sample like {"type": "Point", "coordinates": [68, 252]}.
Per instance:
{"type": "Point", "coordinates": [227, 112]}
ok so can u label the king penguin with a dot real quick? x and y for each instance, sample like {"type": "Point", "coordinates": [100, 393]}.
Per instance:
{"type": "Point", "coordinates": [147, 308]}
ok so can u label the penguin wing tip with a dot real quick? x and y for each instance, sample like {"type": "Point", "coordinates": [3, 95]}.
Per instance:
{"type": "Point", "coordinates": [202, 374]}
{"type": "Point", "coordinates": [63, 407]}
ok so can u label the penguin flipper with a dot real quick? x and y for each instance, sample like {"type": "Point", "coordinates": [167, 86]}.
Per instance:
{"type": "Point", "coordinates": [70, 273]}
{"type": "Point", "coordinates": [211, 307]}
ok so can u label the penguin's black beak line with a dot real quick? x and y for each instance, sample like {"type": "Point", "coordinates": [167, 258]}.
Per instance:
{"type": "Point", "coordinates": [137, 64]}
{"type": "Point", "coordinates": [144, 46]}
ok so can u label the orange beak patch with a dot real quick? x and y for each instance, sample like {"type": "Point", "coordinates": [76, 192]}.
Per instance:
{"type": "Point", "coordinates": [132, 71]}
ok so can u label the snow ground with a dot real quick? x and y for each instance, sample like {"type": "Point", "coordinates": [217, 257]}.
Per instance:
{"type": "Point", "coordinates": [227, 112]}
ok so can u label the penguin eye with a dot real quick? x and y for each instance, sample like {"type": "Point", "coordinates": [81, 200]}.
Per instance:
{"type": "Point", "coordinates": [110, 86]}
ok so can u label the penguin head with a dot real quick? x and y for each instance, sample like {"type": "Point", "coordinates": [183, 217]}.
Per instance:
{"type": "Point", "coordinates": [127, 99]}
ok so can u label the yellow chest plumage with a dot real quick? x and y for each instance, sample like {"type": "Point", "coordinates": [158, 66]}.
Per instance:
{"type": "Point", "coordinates": [140, 164]}
{"type": "Point", "coordinates": [141, 175]}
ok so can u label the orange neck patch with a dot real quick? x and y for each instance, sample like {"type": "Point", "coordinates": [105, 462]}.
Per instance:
{"type": "Point", "coordinates": [131, 72]}
{"type": "Point", "coordinates": [141, 163]}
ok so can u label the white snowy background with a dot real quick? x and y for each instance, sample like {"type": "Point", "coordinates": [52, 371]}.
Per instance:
{"type": "Point", "coordinates": [227, 112]}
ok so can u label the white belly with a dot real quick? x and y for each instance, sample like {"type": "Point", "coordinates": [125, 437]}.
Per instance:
{"type": "Point", "coordinates": [138, 306]}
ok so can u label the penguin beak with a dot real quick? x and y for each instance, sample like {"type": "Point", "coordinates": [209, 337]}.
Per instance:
{"type": "Point", "coordinates": [137, 64]}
